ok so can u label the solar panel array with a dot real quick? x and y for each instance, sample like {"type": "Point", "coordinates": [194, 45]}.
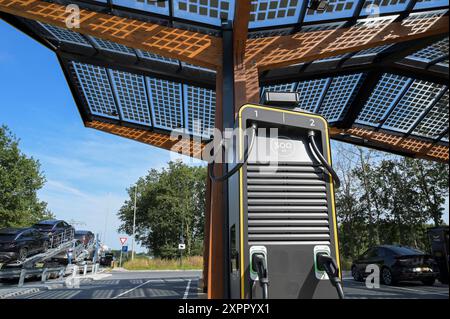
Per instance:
{"type": "Point", "coordinates": [269, 13]}
{"type": "Point", "coordinates": [397, 103]}
{"type": "Point", "coordinates": [146, 101]}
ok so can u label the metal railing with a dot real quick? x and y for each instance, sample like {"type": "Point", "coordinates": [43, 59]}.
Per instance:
{"type": "Point", "coordinates": [59, 239]}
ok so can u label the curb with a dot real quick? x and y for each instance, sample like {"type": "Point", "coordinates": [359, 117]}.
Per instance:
{"type": "Point", "coordinates": [21, 292]}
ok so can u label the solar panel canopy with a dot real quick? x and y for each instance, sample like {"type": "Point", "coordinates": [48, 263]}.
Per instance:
{"type": "Point", "coordinates": [130, 87]}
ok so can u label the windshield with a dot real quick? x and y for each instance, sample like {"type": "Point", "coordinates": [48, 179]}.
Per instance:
{"type": "Point", "coordinates": [406, 251]}
{"type": "Point", "coordinates": [43, 226]}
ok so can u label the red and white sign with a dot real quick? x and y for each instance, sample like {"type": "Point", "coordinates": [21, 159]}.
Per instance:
{"type": "Point", "coordinates": [123, 240]}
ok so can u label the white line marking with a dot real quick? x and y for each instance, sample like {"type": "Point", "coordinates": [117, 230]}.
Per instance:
{"type": "Point", "coordinates": [132, 289]}
{"type": "Point", "coordinates": [186, 292]}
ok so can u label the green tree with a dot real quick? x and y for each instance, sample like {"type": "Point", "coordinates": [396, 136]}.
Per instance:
{"type": "Point", "coordinates": [170, 206]}
{"type": "Point", "coordinates": [20, 179]}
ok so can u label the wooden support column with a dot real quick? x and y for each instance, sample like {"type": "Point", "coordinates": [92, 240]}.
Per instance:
{"type": "Point", "coordinates": [216, 253]}
{"type": "Point", "coordinates": [246, 83]}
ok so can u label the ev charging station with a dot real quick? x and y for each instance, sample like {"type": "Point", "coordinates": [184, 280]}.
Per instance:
{"type": "Point", "coordinates": [283, 240]}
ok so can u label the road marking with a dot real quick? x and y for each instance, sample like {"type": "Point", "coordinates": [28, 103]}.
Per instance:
{"type": "Point", "coordinates": [132, 289]}
{"type": "Point", "coordinates": [186, 292]}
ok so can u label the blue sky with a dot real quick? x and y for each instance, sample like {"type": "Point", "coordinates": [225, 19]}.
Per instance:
{"type": "Point", "coordinates": [87, 171]}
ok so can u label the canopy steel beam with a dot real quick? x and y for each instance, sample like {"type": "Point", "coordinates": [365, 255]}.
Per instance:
{"type": "Point", "coordinates": [192, 47]}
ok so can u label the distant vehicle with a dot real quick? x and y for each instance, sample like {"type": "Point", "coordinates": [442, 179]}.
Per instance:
{"type": "Point", "coordinates": [57, 230]}
{"type": "Point", "coordinates": [440, 249]}
{"type": "Point", "coordinates": [107, 259]}
{"type": "Point", "coordinates": [397, 263]}
{"type": "Point", "coordinates": [85, 236]}
{"type": "Point", "coordinates": [16, 244]}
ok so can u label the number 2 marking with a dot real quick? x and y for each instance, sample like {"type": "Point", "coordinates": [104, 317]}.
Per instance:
{"type": "Point", "coordinates": [312, 122]}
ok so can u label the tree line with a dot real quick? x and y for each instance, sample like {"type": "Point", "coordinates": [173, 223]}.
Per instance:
{"type": "Point", "coordinates": [387, 199]}
{"type": "Point", "coordinates": [170, 208]}
{"type": "Point", "coordinates": [20, 179]}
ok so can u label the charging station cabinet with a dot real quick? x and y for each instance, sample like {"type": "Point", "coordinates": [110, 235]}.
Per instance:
{"type": "Point", "coordinates": [282, 206]}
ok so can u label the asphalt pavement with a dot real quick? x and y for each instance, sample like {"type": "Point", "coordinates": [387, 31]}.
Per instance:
{"type": "Point", "coordinates": [126, 285]}
{"type": "Point", "coordinates": [185, 285]}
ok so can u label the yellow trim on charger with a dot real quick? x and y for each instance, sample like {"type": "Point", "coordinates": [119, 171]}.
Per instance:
{"type": "Point", "coordinates": [241, 182]}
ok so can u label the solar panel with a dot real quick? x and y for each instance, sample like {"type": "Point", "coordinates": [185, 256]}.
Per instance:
{"type": "Point", "coordinates": [167, 104]}
{"type": "Point", "coordinates": [96, 89]}
{"type": "Point", "coordinates": [200, 108]}
{"type": "Point", "coordinates": [387, 91]}
{"type": "Point", "coordinates": [426, 4]}
{"type": "Point", "coordinates": [336, 9]}
{"type": "Point", "coordinates": [431, 52]}
{"type": "Point", "coordinates": [311, 93]}
{"type": "Point", "coordinates": [131, 97]}
{"type": "Point", "coordinates": [372, 7]}
{"type": "Point", "coordinates": [65, 35]}
{"type": "Point", "coordinates": [372, 51]}
{"type": "Point", "coordinates": [412, 105]}
{"type": "Point", "coordinates": [265, 13]}
{"type": "Point", "coordinates": [338, 96]}
{"type": "Point", "coordinates": [155, 57]}
{"type": "Point", "coordinates": [436, 121]}
{"type": "Point", "coordinates": [196, 67]}
{"type": "Point", "coordinates": [445, 138]}
{"type": "Point", "coordinates": [160, 7]}
{"type": "Point", "coordinates": [112, 46]}
{"type": "Point", "coordinates": [285, 87]}
{"type": "Point", "coordinates": [205, 11]}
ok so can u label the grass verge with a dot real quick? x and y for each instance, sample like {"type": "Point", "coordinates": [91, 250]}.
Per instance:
{"type": "Point", "coordinates": [193, 262]}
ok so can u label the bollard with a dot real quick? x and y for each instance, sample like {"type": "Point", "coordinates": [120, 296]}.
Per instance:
{"type": "Point", "coordinates": [44, 275]}
{"type": "Point", "coordinates": [74, 271]}
{"type": "Point", "coordinates": [23, 272]}
{"type": "Point", "coordinates": [85, 270]}
{"type": "Point", "coordinates": [61, 273]}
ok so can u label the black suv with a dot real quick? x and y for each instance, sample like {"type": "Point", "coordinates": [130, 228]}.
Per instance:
{"type": "Point", "coordinates": [397, 263]}
{"type": "Point", "coordinates": [16, 244]}
{"type": "Point", "coordinates": [57, 230]}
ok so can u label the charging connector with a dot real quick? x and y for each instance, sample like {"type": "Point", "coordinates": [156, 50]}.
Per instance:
{"type": "Point", "coordinates": [258, 268]}
{"type": "Point", "coordinates": [325, 263]}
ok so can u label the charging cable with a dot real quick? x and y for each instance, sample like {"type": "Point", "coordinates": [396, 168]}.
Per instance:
{"type": "Point", "coordinates": [315, 150]}
{"type": "Point", "coordinates": [239, 165]}
{"type": "Point", "coordinates": [259, 263]}
{"type": "Point", "coordinates": [327, 263]}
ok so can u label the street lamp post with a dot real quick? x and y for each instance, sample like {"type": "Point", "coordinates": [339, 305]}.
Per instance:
{"type": "Point", "coordinates": [134, 223]}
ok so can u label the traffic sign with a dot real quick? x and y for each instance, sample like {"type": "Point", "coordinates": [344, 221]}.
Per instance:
{"type": "Point", "coordinates": [124, 249]}
{"type": "Point", "coordinates": [123, 240]}
{"type": "Point", "coordinates": [181, 246]}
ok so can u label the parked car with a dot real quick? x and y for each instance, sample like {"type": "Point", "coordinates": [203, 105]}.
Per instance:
{"type": "Point", "coordinates": [57, 230]}
{"type": "Point", "coordinates": [85, 236]}
{"type": "Point", "coordinates": [16, 244]}
{"type": "Point", "coordinates": [397, 263]}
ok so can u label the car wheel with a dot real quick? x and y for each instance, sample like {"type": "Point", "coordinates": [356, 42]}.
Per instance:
{"type": "Point", "coordinates": [356, 274]}
{"type": "Point", "coordinates": [23, 254]}
{"type": "Point", "coordinates": [428, 281]}
{"type": "Point", "coordinates": [386, 277]}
